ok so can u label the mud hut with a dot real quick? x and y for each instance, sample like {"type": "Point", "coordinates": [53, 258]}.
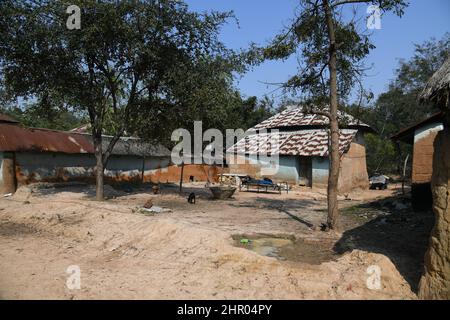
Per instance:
{"type": "Point", "coordinates": [421, 136]}
{"type": "Point", "coordinates": [435, 282]}
{"type": "Point", "coordinates": [301, 142]}
{"type": "Point", "coordinates": [30, 155]}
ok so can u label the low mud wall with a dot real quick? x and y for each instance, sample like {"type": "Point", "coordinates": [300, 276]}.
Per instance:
{"type": "Point", "coordinates": [30, 167]}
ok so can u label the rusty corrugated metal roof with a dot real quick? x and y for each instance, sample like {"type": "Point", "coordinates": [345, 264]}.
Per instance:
{"type": "Point", "coordinates": [17, 138]}
{"type": "Point", "coordinates": [294, 117]}
{"type": "Point", "coordinates": [296, 143]}
{"type": "Point", "coordinates": [6, 118]}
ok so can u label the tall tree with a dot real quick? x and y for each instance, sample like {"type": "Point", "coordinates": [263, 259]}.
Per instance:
{"type": "Point", "coordinates": [398, 107]}
{"type": "Point", "coordinates": [44, 114]}
{"type": "Point", "coordinates": [331, 50]}
{"type": "Point", "coordinates": [126, 57]}
{"type": "Point", "coordinates": [206, 95]}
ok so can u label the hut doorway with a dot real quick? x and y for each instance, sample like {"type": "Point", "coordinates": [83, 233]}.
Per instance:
{"type": "Point", "coordinates": [305, 171]}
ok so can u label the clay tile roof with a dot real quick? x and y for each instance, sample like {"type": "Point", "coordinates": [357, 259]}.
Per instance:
{"type": "Point", "coordinates": [296, 143]}
{"type": "Point", "coordinates": [293, 116]}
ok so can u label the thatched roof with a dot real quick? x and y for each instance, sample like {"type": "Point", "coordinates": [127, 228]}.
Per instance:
{"type": "Point", "coordinates": [437, 89]}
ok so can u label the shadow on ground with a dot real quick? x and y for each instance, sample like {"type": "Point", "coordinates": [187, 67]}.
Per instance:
{"type": "Point", "coordinates": [287, 207]}
{"type": "Point", "coordinates": [401, 235]}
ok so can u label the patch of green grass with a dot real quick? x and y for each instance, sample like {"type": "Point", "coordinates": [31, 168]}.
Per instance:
{"type": "Point", "coordinates": [353, 210]}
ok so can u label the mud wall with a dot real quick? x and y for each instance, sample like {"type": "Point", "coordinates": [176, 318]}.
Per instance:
{"type": "Point", "coordinates": [320, 169]}
{"type": "Point", "coordinates": [422, 163]}
{"type": "Point", "coordinates": [191, 172]}
{"type": "Point", "coordinates": [287, 171]}
{"type": "Point", "coordinates": [240, 164]}
{"type": "Point", "coordinates": [57, 167]}
{"type": "Point", "coordinates": [353, 173]}
{"type": "Point", "coordinates": [353, 170]}
{"type": "Point", "coordinates": [422, 166]}
{"type": "Point", "coordinates": [435, 282]}
{"type": "Point", "coordinates": [35, 166]}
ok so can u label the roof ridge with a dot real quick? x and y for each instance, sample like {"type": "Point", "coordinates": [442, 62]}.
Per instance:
{"type": "Point", "coordinates": [294, 116]}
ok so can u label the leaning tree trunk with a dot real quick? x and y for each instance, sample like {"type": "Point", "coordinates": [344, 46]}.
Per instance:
{"type": "Point", "coordinates": [333, 177]}
{"type": "Point", "coordinates": [99, 167]}
{"type": "Point", "coordinates": [435, 282]}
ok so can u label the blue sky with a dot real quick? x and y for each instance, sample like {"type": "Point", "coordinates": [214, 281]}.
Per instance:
{"type": "Point", "coordinates": [260, 20]}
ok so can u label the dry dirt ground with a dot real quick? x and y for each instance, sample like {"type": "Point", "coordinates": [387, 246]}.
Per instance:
{"type": "Point", "coordinates": [191, 252]}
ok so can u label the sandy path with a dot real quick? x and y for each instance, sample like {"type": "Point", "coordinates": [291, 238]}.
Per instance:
{"type": "Point", "coordinates": [185, 254]}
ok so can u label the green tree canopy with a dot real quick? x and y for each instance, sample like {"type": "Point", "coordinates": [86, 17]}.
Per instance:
{"type": "Point", "coordinates": [127, 57]}
{"type": "Point", "coordinates": [398, 107]}
{"type": "Point", "coordinates": [330, 46]}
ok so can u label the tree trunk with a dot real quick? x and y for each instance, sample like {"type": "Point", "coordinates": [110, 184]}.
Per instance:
{"type": "Point", "coordinates": [181, 177]}
{"type": "Point", "coordinates": [333, 177]}
{"type": "Point", "coordinates": [99, 167]}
